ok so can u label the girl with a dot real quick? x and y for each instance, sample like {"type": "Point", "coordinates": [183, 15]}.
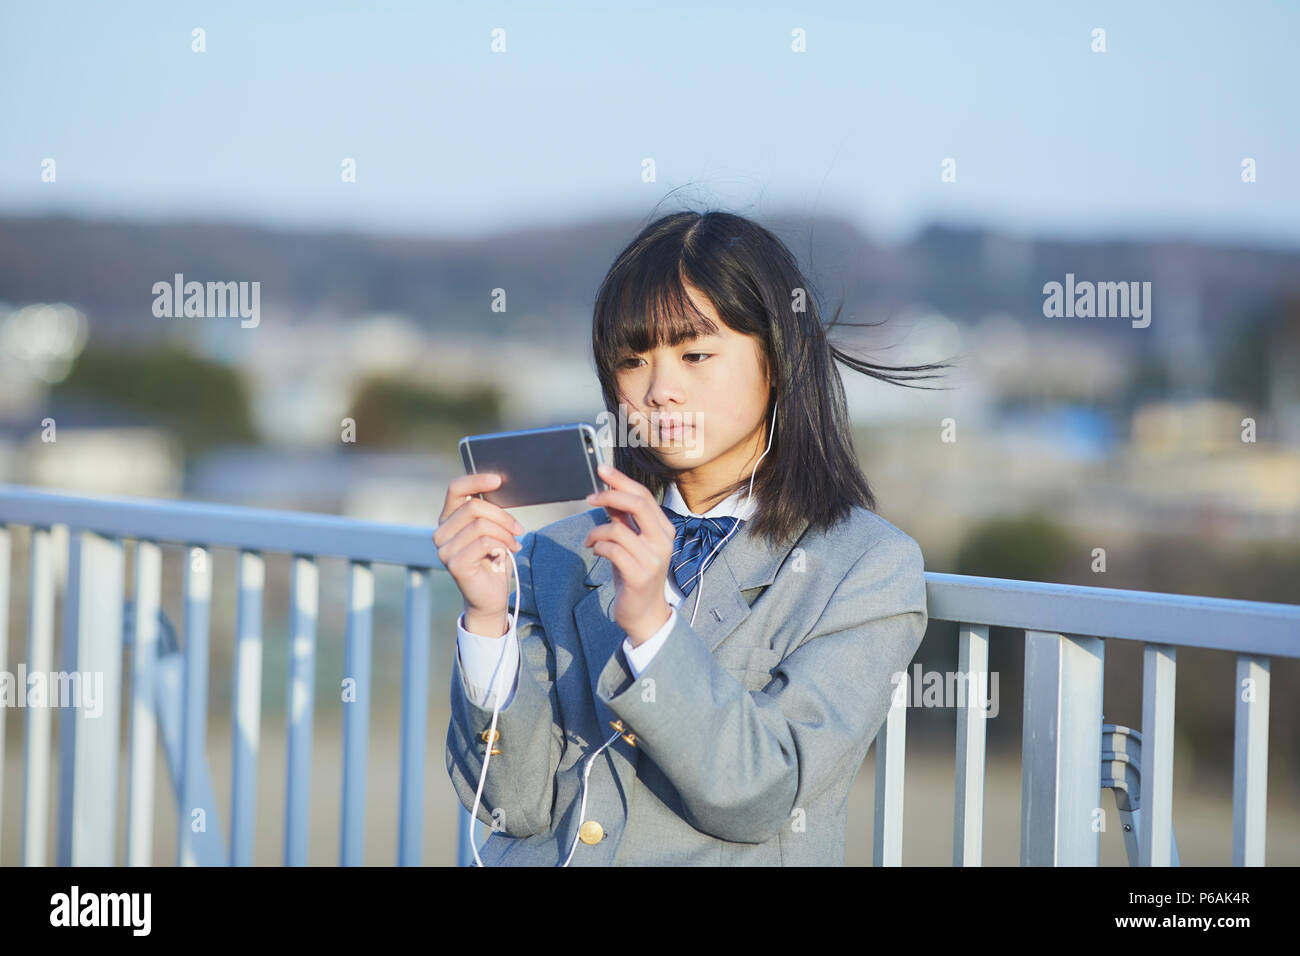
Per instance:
{"type": "Point", "coordinates": [698, 685]}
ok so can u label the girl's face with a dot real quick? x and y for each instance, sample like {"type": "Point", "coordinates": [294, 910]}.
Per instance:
{"type": "Point", "coordinates": [700, 406]}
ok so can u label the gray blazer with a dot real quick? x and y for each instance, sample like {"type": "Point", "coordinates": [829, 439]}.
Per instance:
{"type": "Point", "coordinates": [750, 727]}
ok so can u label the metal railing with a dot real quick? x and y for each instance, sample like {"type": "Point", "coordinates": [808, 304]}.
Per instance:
{"type": "Point", "coordinates": [1066, 628]}
{"type": "Point", "coordinates": [176, 685]}
{"type": "Point", "coordinates": [1068, 753]}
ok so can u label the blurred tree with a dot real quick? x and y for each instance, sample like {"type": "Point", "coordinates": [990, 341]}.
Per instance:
{"type": "Point", "coordinates": [205, 403]}
{"type": "Point", "coordinates": [1028, 548]}
{"type": "Point", "coordinates": [1242, 371]}
{"type": "Point", "coordinates": [1151, 380]}
{"type": "Point", "coordinates": [392, 413]}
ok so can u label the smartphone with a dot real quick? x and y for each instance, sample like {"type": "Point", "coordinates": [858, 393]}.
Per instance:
{"type": "Point", "coordinates": [537, 465]}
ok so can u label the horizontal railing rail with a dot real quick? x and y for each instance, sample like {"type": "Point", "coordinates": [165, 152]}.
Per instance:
{"type": "Point", "coordinates": [1224, 624]}
{"type": "Point", "coordinates": [1067, 751]}
{"type": "Point", "coordinates": [223, 526]}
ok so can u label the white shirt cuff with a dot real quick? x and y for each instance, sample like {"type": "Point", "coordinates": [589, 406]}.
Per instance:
{"type": "Point", "coordinates": [638, 658]}
{"type": "Point", "coordinates": [481, 657]}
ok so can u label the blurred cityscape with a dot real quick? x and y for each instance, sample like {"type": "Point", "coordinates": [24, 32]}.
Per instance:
{"type": "Point", "coordinates": [1189, 424]}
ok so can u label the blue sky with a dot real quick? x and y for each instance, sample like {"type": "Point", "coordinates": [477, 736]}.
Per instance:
{"type": "Point", "coordinates": [450, 138]}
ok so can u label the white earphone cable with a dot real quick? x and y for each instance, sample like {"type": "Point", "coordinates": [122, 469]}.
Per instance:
{"type": "Point", "coordinates": [496, 709]}
{"type": "Point", "coordinates": [705, 563]}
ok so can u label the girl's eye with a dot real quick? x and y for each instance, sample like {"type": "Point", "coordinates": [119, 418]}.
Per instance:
{"type": "Point", "coordinates": [631, 361]}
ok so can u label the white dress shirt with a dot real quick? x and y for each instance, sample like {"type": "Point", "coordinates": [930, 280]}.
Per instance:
{"type": "Point", "coordinates": [481, 655]}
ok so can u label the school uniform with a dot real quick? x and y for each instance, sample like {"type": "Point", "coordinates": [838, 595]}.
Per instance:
{"type": "Point", "coordinates": [749, 726]}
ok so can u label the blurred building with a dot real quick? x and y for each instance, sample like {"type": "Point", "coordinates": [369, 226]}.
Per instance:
{"type": "Point", "coordinates": [1284, 373]}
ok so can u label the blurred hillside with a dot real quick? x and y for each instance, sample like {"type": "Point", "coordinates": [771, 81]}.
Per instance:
{"type": "Point", "coordinates": [1205, 295]}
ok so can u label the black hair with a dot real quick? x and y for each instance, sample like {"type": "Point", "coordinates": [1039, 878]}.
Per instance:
{"type": "Point", "coordinates": [753, 281]}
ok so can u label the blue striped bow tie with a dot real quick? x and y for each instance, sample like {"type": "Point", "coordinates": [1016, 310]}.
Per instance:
{"type": "Point", "coordinates": [695, 541]}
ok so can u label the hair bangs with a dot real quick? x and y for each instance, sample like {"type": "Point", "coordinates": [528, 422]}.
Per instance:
{"type": "Point", "coordinates": [643, 306]}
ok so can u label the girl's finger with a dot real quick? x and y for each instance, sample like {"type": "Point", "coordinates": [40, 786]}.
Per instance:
{"type": "Point", "coordinates": [625, 563]}
{"type": "Point", "coordinates": [635, 544]}
{"type": "Point", "coordinates": [470, 511]}
{"type": "Point", "coordinates": [633, 498]}
{"type": "Point", "coordinates": [479, 527]}
{"type": "Point", "coordinates": [637, 507]}
{"type": "Point", "coordinates": [622, 482]}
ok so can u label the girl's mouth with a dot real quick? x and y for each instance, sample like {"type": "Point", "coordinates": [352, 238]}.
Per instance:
{"type": "Point", "coordinates": [669, 431]}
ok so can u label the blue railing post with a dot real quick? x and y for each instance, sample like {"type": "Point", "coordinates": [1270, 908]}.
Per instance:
{"type": "Point", "coordinates": [1060, 796]}
{"type": "Point", "coordinates": [305, 600]}
{"type": "Point", "coordinates": [415, 714]}
{"type": "Point", "coordinates": [1250, 759]}
{"type": "Point", "coordinates": [99, 663]}
{"type": "Point", "coordinates": [356, 713]}
{"type": "Point", "coordinates": [37, 732]}
{"type": "Point", "coordinates": [193, 813]}
{"type": "Point", "coordinates": [68, 728]}
{"type": "Point", "coordinates": [246, 714]}
{"type": "Point", "coordinates": [144, 718]}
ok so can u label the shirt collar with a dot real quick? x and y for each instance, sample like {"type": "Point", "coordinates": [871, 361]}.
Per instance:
{"type": "Point", "coordinates": [734, 506]}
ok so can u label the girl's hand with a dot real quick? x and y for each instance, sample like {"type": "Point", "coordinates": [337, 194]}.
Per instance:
{"type": "Point", "coordinates": [640, 560]}
{"type": "Point", "coordinates": [472, 538]}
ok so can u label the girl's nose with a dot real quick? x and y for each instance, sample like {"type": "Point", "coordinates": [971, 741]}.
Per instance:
{"type": "Point", "coordinates": [664, 392]}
